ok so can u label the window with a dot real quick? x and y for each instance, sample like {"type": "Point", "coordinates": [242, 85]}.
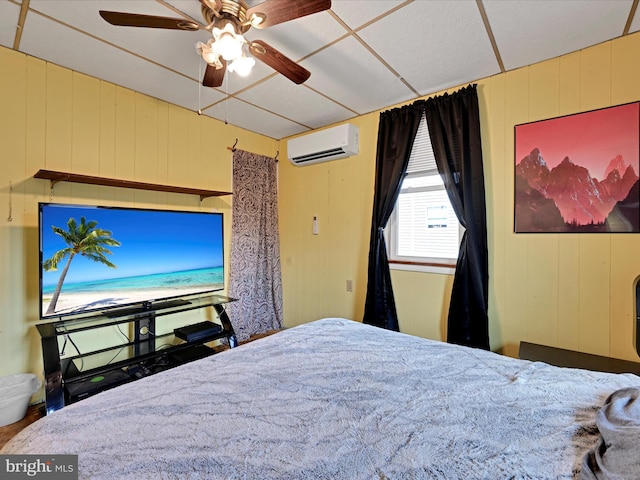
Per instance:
{"type": "Point", "coordinates": [423, 230]}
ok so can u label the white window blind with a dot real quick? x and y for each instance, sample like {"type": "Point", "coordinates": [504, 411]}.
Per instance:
{"type": "Point", "coordinates": [422, 158]}
{"type": "Point", "coordinates": [423, 227]}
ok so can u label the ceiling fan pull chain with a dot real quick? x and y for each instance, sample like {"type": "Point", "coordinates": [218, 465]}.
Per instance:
{"type": "Point", "coordinates": [10, 217]}
{"type": "Point", "coordinates": [226, 102]}
{"type": "Point", "coordinates": [199, 88]}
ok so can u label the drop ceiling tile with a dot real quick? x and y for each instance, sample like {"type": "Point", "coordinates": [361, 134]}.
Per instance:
{"type": "Point", "coordinates": [233, 82]}
{"type": "Point", "coordinates": [179, 90]}
{"type": "Point", "coordinates": [356, 13]}
{"type": "Point", "coordinates": [349, 74]}
{"type": "Point", "coordinates": [243, 115]}
{"type": "Point", "coordinates": [76, 51]}
{"type": "Point", "coordinates": [529, 31]}
{"type": "Point", "coordinates": [434, 45]}
{"type": "Point", "coordinates": [296, 102]}
{"type": "Point", "coordinates": [173, 48]}
{"type": "Point", "coordinates": [9, 14]}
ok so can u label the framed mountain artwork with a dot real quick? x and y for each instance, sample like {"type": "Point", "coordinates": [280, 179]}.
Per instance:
{"type": "Point", "coordinates": [579, 173]}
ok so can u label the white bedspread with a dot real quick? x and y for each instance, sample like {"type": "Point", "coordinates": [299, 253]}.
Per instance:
{"type": "Point", "coordinates": [336, 399]}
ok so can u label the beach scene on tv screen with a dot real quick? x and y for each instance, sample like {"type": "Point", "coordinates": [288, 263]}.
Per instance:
{"type": "Point", "coordinates": [100, 258]}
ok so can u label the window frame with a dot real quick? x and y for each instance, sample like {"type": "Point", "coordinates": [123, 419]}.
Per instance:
{"type": "Point", "coordinates": [423, 264]}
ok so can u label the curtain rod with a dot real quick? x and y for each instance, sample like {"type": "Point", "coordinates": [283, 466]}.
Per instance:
{"type": "Point", "coordinates": [233, 149]}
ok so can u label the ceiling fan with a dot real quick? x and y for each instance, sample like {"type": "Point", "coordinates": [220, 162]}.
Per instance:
{"type": "Point", "coordinates": [228, 21]}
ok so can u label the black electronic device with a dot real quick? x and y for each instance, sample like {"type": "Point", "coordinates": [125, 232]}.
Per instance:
{"type": "Point", "coordinates": [96, 384]}
{"type": "Point", "coordinates": [195, 352]}
{"type": "Point", "coordinates": [182, 258]}
{"type": "Point", "coordinates": [197, 331]}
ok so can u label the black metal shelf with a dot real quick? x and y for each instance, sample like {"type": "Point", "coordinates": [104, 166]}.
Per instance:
{"type": "Point", "coordinates": [62, 373]}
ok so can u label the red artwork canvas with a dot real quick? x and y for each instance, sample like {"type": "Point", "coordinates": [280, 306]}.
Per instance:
{"type": "Point", "coordinates": [579, 173]}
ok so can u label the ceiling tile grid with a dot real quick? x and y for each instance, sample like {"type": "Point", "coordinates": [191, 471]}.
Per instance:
{"type": "Point", "coordinates": [244, 115]}
{"type": "Point", "coordinates": [348, 73]}
{"type": "Point", "coordinates": [302, 105]}
{"type": "Point", "coordinates": [363, 55]}
{"type": "Point", "coordinates": [357, 13]}
{"type": "Point", "coordinates": [434, 45]}
{"type": "Point", "coordinates": [529, 31]}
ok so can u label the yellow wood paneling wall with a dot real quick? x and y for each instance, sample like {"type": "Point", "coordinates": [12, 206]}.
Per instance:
{"type": "Point", "coordinates": [573, 291]}
{"type": "Point", "coordinates": [315, 268]}
{"type": "Point", "coordinates": [57, 119]}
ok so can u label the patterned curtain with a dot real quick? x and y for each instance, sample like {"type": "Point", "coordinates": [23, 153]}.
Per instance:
{"type": "Point", "coordinates": [254, 277]}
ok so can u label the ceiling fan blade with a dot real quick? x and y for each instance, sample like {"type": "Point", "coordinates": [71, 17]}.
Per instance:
{"type": "Point", "coordinates": [213, 76]}
{"type": "Point", "coordinates": [122, 19]}
{"type": "Point", "coordinates": [279, 11]}
{"type": "Point", "coordinates": [276, 60]}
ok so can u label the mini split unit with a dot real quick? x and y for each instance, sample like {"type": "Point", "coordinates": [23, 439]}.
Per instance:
{"type": "Point", "coordinates": [324, 145]}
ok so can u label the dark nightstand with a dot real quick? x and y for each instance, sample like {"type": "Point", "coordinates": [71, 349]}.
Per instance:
{"type": "Point", "coordinates": [568, 358]}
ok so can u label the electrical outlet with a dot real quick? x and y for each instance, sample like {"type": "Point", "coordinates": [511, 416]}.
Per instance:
{"type": "Point", "coordinates": [349, 285]}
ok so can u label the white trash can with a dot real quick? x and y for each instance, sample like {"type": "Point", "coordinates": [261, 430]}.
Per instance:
{"type": "Point", "coordinates": [15, 393]}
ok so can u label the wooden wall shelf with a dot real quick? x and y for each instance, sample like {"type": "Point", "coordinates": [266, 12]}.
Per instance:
{"type": "Point", "coordinates": [56, 177]}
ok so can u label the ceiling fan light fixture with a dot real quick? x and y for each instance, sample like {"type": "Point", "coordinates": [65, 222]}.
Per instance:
{"type": "Point", "coordinates": [229, 47]}
{"type": "Point", "coordinates": [242, 66]}
{"type": "Point", "coordinates": [227, 42]}
{"type": "Point", "coordinates": [208, 52]}
{"type": "Point", "coordinates": [212, 59]}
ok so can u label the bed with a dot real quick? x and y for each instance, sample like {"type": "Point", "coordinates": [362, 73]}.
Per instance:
{"type": "Point", "coordinates": [336, 399]}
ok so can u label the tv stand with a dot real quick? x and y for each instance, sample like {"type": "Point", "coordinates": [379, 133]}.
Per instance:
{"type": "Point", "coordinates": [153, 343]}
{"type": "Point", "coordinates": [144, 308]}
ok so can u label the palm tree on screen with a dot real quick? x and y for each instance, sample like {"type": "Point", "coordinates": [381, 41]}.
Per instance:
{"type": "Point", "coordinates": [83, 239]}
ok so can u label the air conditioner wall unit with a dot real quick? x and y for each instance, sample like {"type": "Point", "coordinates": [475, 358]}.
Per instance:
{"type": "Point", "coordinates": [324, 145]}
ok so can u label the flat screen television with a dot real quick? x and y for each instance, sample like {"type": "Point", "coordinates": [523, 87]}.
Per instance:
{"type": "Point", "coordinates": [99, 259]}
